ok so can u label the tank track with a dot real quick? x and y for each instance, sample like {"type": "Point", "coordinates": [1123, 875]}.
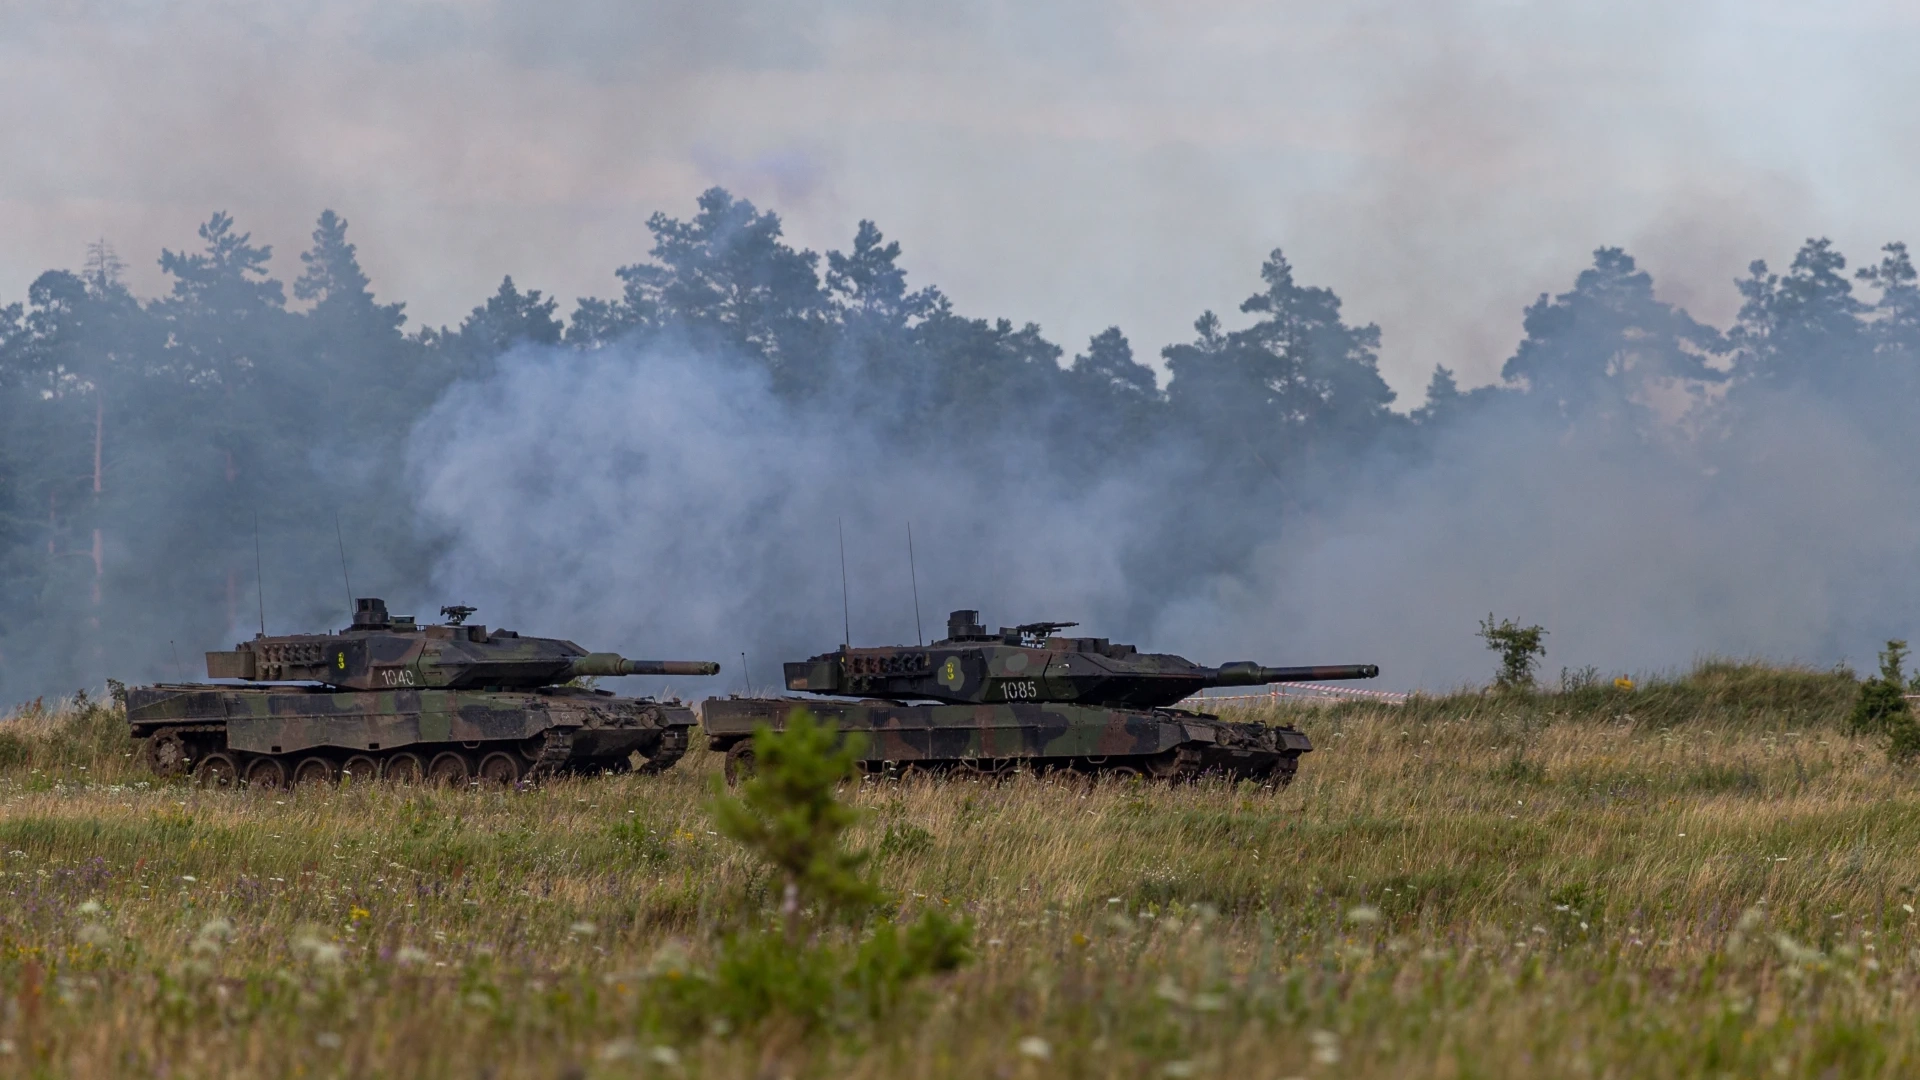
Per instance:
{"type": "Point", "coordinates": [175, 750]}
{"type": "Point", "coordinates": [552, 759]}
{"type": "Point", "coordinates": [673, 746]}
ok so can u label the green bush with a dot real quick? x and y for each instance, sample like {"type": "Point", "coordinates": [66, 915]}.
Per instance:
{"type": "Point", "coordinates": [803, 966]}
{"type": "Point", "coordinates": [1520, 650]}
{"type": "Point", "coordinates": [1881, 707]}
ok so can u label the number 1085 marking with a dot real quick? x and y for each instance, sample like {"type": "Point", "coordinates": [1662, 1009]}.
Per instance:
{"type": "Point", "coordinates": [1019, 690]}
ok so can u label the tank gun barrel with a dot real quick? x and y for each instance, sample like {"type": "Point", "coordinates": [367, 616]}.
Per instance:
{"type": "Point", "coordinates": [1250, 674]}
{"type": "Point", "coordinates": [605, 664]}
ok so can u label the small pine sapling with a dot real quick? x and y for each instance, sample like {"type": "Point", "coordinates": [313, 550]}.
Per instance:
{"type": "Point", "coordinates": [1520, 650]}
{"type": "Point", "coordinates": [788, 813]}
{"type": "Point", "coordinates": [1882, 709]}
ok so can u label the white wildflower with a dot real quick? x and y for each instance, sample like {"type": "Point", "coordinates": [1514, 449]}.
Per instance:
{"type": "Point", "coordinates": [1326, 1047]}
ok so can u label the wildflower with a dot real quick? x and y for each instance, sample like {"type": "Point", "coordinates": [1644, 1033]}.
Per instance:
{"type": "Point", "coordinates": [318, 949]}
{"type": "Point", "coordinates": [356, 913]}
{"type": "Point", "coordinates": [1177, 1069]}
{"type": "Point", "coordinates": [664, 1055]}
{"type": "Point", "coordinates": [91, 907]}
{"type": "Point", "coordinates": [213, 934]}
{"type": "Point", "coordinates": [408, 954]}
{"type": "Point", "coordinates": [1363, 914]}
{"type": "Point", "coordinates": [1168, 991]}
{"type": "Point", "coordinates": [583, 928]}
{"type": "Point", "coordinates": [1326, 1047]}
{"type": "Point", "coordinates": [1035, 1047]}
{"type": "Point", "coordinates": [1795, 953]}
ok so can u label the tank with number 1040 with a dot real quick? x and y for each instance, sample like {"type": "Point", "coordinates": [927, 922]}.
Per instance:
{"type": "Point", "coordinates": [1030, 697]}
{"type": "Point", "coordinates": [387, 698]}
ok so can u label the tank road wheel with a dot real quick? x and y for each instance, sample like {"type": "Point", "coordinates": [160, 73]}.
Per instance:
{"type": "Point", "coordinates": [217, 771]}
{"type": "Point", "coordinates": [167, 754]}
{"type": "Point", "coordinates": [502, 770]}
{"type": "Point", "coordinates": [1283, 771]}
{"type": "Point", "coordinates": [1179, 765]}
{"type": "Point", "coordinates": [361, 769]}
{"type": "Point", "coordinates": [739, 766]}
{"type": "Point", "coordinates": [977, 769]}
{"type": "Point", "coordinates": [448, 770]}
{"type": "Point", "coordinates": [1122, 773]}
{"type": "Point", "coordinates": [672, 746]}
{"type": "Point", "coordinates": [266, 773]}
{"type": "Point", "coordinates": [914, 772]}
{"type": "Point", "coordinates": [315, 771]}
{"type": "Point", "coordinates": [404, 767]}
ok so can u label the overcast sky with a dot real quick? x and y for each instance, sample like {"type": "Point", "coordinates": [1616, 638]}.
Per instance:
{"type": "Point", "coordinates": [1437, 162]}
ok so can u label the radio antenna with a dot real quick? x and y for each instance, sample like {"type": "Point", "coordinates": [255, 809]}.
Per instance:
{"type": "Point", "coordinates": [259, 579]}
{"type": "Point", "coordinates": [184, 677]}
{"type": "Point", "coordinates": [339, 536]}
{"type": "Point", "coordinates": [914, 576]}
{"type": "Point", "coordinates": [846, 609]}
{"type": "Point", "coordinates": [745, 674]}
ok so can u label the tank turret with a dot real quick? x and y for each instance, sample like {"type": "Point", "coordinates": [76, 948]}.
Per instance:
{"type": "Point", "coordinates": [382, 652]}
{"type": "Point", "coordinates": [1033, 662]}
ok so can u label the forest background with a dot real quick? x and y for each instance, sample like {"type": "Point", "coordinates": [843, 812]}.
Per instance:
{"type": "Point", "coordinates": [667, 471]}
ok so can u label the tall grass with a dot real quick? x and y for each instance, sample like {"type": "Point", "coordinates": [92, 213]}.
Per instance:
{"type": "Point", "coordinates": [1703, 876]}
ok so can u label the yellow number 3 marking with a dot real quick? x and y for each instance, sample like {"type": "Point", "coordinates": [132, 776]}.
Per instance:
{"type": "Point", "coordinates": [341, 663]}
{"type": "Point", "coordinates": [952, 670]}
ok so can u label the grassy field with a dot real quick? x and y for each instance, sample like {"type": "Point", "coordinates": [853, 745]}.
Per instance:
{"type": "Point", "coordinates": [1699, 877]}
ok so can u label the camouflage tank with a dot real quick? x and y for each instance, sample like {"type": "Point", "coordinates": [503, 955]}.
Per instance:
{"type": "Point", "coordinates": [387, 698]}
{"type": "Point", "coordinates": [1028, 697]}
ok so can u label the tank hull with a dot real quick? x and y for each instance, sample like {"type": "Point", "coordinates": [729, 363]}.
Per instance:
{"type": "Point", "coordinates": [237, 734]}
{"type": "Point", "coordinates": [1165, 743]}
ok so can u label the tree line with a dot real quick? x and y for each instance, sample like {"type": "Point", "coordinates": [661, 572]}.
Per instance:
{"type": "Point", "coordinates": [146, 443]}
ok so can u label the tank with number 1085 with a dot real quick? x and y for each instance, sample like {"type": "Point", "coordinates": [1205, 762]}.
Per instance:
{"type": "Point", "coordinates": [1030, 696]}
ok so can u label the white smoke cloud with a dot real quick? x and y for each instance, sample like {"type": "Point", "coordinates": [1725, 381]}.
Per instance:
{"type": "Point", "coordinates": [667, 505]}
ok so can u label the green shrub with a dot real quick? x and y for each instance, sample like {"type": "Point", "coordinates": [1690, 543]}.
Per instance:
{"type": "Point", "coordinates": [789, 815]}
{"type": "Point", "coordinates": [1520, 650]}
{"type": "Point", "coordinates": [1881, 707]}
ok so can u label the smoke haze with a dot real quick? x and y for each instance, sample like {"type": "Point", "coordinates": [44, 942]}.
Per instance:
{"type": "Point", "coordinates": [1663, 459]}
{"type": "Point", "coordinates": [1437, 164]}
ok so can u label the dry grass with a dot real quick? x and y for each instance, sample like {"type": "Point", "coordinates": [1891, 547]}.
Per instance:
{"type": "Point", "coordinates": [1702, 877]}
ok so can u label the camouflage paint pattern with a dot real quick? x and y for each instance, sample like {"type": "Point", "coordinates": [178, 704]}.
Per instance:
{"type": "Point", "coordinates": [1032, 663]}
{"type": "Point", "coordinates": [1029, 695]}
{"type": "Point", "coordinates": [396, 696]}
{"type": "Point", "coordinates": [277, 720]}
{"type": "Point", "coordinates": [1089, 738]}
